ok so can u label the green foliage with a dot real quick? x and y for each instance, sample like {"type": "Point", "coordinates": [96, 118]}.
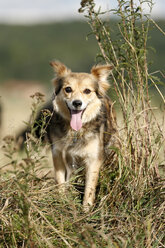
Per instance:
{"type": "Point", "coordinates": [25, 51]}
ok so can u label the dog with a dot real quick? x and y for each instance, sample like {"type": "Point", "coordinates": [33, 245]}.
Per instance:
{"type": "Point", "coordinates": [83, 125]}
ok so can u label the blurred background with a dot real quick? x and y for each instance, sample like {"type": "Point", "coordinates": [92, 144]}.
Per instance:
{"type": "Point", "coordinates": [34, 32]}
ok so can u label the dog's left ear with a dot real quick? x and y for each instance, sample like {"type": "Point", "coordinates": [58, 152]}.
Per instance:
{"type": "Point", "coordinates": [101, 73]}
{"type": "Point", "coordinates": [60, 69]}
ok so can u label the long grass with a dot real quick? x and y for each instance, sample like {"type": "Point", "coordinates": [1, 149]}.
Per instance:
{"type": "Point", "coordinates": [129, 207]}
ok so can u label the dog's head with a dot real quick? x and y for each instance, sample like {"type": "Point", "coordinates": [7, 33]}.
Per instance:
{"type": "Point", "coordinates": [78, 95]}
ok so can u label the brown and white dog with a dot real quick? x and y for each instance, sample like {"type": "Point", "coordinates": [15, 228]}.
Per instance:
{"type": "Point", "coordinates": [83, 125]}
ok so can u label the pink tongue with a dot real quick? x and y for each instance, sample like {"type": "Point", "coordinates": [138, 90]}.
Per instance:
{"type": "Point", "coordinates": [76, 122]}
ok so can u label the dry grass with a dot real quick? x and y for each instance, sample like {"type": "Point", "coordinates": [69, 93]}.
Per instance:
{"type": "Point", "coordinates": [34, 214]}
{"type": "Point", "coordinates": [130, 203]}
{"type": "Point", "coordinates": [128, 212]}
{"type": "Point", "coordinates": [16, 109]}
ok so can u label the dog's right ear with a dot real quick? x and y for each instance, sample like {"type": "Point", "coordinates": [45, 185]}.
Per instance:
{"type": "Point", "coordinates": [60, 69]}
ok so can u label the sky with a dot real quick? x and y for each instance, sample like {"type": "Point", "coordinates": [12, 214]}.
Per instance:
{"type": "Point", "coordinates": [36, 11]}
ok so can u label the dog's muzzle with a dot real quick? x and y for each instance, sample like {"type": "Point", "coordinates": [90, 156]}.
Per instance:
{"type": "Point", "coordinates": [76, 111]}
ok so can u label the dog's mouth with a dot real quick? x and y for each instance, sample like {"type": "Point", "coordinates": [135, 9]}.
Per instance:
{"type": "Point", "coordinates": [76, 119]}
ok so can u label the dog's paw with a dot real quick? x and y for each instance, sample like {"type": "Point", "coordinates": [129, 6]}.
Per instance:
{"type": "Point", "coordinates": [61, 188]}
{"type": "Point", "coordinates": [87, 206]}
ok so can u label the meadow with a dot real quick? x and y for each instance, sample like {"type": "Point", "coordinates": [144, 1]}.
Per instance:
{"type": "Point", "coordinates": [130, 203]}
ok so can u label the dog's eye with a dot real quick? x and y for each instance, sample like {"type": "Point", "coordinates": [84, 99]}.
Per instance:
{"type": "Point", "coordinates": [68, 89]}
{"type": "Point", "coordinates": [87, 91]}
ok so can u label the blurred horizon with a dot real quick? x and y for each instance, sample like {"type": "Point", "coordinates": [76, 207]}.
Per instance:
{"type": "Point", "coordinates": [36, 31]}
{"type": "Point", "coordinates": [24, 12]}
{"type": "Point", "coordinates": [25, 51]}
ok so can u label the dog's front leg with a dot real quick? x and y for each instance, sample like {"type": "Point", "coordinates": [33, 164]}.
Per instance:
{"type": "Point", "coordinates": [92, 174]}
{"type": "Point", "coordinates": [59, 167]}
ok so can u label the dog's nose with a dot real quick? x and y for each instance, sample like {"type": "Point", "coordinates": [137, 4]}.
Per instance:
{"type": "Point", "coordinates": [77, 103]}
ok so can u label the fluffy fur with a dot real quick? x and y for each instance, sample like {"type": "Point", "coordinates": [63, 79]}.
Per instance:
{"type": "Point", "coordinates": [83, 125]}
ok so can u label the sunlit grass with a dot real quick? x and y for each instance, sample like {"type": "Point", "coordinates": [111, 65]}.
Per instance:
{"type": "Point", "coordinates": [129, 206]}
